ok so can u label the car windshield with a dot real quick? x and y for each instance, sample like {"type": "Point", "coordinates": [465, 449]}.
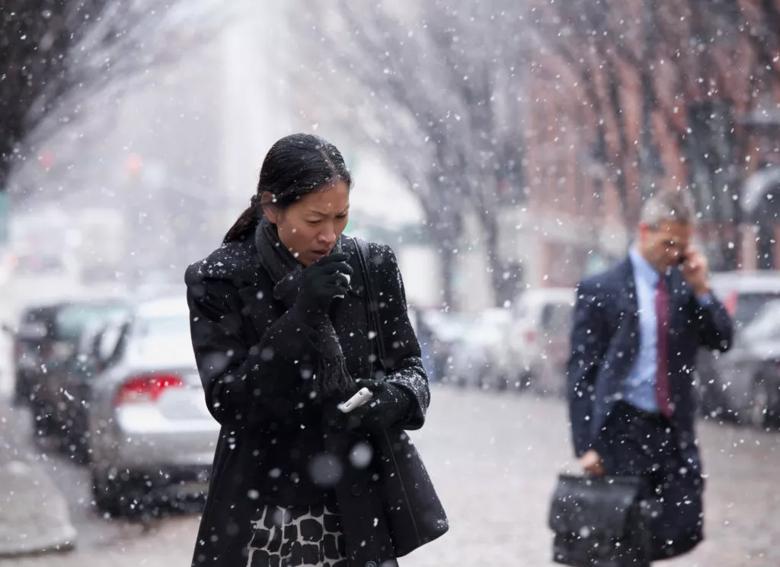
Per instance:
{"type": "Point", "coordinates": [750, 305]}
{"type": "Point", "coordinates": [487, 327]}
{"type": "Point", "coordinates": [557, 317]}
{"type": "Point", "coordinates": [161, 341]}
{"type": "Point", "coordinates": [448, 326]}
{"type": "Point", "coordinates": [482, 331]}
{"type": "Point", "coordinates": [73, 319]}
{"type": "Point", "coordinates": [766, 325]}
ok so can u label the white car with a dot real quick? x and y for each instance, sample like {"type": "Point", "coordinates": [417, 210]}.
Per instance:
{"type": "Point", "coordinates": [743, 384]}
{"type": "Point", "coordinates": [150, 432]}
{"type": "Point", "coordinates": [480, 356]}
{"type": "Point", "coordinates": [439, 332]}
{"type": "Point", "coordinates": [539, 338]}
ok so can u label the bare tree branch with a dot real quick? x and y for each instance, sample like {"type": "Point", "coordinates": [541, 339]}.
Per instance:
{"type": "Point", "coordinates": [58, 54]}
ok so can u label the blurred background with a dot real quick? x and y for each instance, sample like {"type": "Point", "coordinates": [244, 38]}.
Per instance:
{"type": "Point", "coordinates": [503, 148]}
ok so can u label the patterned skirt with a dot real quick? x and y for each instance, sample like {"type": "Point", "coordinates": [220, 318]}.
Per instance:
{"type": "Point", "coordinates": [300, 536]}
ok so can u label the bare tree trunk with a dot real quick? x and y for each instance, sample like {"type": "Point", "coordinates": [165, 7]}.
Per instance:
{"type": "Point", "coordinates": [6, 164]}
{"type": "Point", "coordinates": [448, 258]}
{"type": "Point", "coordinates": [496, 263]}
{"type": "Point", "coordinates": [444, 231]}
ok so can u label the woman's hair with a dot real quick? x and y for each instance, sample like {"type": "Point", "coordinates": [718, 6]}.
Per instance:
{"type": "Point", "coordinates": [295, 166]}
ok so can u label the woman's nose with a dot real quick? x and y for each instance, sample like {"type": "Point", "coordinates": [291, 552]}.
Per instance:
{"type": "Point", "coordinates": [328, 237]}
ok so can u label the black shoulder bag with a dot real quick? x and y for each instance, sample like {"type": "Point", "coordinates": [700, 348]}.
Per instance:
{"type": "Point", "coordinates": [599, 522]}
{"type": "Point", "coordinates": [413, 511]}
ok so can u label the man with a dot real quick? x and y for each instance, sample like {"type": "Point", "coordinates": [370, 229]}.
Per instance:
{"type": "Point", "coordinates": [637, 329]}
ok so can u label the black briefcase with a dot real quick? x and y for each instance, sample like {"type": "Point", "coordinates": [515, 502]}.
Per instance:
{"type": "Point", "coordinates": [599, 522]}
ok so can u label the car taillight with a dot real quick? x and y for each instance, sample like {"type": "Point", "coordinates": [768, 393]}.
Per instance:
{"type": "Point", "coordinates": [146, 388]}
{"type": "Point", "coordinates": [529, 336]}
{"type": "Point", "coordinates": [730, 303]}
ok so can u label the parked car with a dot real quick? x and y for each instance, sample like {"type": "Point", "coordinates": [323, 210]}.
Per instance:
{"type": "Point", "coordinates": [442, 332]}
{"type": "Point", "coordinates": [742, 384]}
{"type": "Point", "coordinates": [65, 325]}
{"type": "Point", "coordinates": [150, 434]}
{"type": "Point", "coordinates": [75, 380]}
{"type": "Point", "coordinates": [480, 356]}
{"type": "Point", "coordinates": [539, 338]}
{"type": "Point", "coordinates": [32, 348]}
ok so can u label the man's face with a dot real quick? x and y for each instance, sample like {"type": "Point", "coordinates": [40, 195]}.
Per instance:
{"type": "Point", "coordinates": [310, 227]}
{"type": "Point", "coordinates": [664, 244]}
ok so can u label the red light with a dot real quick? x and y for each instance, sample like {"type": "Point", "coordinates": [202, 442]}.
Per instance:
{"type": "Point", "coordinates": [530, 336]}
{"type": "Point", "coordinates": [146, 388]}
{"type": "Point", "coordinates": [731, 303]}
{"type": "Point", "coordinates": [46, 159]}
{"type": "Point", "coordinates": [134, 163]}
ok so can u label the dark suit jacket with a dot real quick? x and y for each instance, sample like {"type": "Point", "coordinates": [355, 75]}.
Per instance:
{"type": "Point", "coordinates": [605, 343]}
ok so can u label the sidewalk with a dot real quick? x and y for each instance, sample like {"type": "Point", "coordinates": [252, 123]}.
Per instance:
{"type": "Point", "coordinates": [34, 515]}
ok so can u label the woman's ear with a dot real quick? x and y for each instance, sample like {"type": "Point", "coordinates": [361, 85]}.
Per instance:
{"type": "Point", "coordinates": [270, 211]}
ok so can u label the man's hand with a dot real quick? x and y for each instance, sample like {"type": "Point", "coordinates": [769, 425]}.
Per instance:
{"type": "Point", "coordinates": [695, 270]}
{"type": "Point", "coordinates": [592, 464]}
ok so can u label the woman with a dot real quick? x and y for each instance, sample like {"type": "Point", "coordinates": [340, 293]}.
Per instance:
{"type": "Point", "coordinates": [280, 332]}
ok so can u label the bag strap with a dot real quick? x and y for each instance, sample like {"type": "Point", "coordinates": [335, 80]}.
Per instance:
{"type": "Point", "coordinates": [375, 326]}
{"type": "Point", "coordinates": [371, 303]}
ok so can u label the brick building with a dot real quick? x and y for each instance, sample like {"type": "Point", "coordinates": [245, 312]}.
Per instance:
{"type": "Point", "coordinates": [645, 97]}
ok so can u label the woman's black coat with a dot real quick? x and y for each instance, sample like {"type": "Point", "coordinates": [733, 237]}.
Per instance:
{"type": "Point", "coordinates": [257, 360]}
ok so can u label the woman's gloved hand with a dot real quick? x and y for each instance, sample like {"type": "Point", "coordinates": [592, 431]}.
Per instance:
{"type": "Point", "coordinates": [388, 407]}
{"type": "Point", "coordinates": [321, 282]}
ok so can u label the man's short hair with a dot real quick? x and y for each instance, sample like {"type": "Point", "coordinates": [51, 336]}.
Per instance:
{"type": "Point", "coordinates": [669, 206]}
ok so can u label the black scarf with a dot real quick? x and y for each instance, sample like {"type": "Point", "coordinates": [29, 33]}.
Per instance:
{"type": "Point", "coordinates": [331, 374]}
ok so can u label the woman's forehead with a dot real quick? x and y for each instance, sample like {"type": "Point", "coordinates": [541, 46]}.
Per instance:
{"type": "Point", "coordinates": [333, 198]}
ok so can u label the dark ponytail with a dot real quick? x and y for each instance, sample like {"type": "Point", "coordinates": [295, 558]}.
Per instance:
{"type": "Point", "coordinates": [295, 166]}
{"type": "Point", "coordinates": [245, 223]}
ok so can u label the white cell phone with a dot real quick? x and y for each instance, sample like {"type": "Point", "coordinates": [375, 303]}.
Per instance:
{"type": "Point", "coordinates": [358, 399]}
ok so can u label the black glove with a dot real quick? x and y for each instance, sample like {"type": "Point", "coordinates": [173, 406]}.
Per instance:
{"type": "Point", "coordinates": [388, 407]}
{"type": "Point", "coordinates": [321, 282]}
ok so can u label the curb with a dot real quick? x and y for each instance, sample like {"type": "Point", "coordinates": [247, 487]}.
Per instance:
{"type": "Point", "coordinates": [34, 516]}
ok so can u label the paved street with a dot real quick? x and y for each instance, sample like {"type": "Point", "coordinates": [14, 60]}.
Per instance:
{"type": "Point", "coordinates": [494, 459]}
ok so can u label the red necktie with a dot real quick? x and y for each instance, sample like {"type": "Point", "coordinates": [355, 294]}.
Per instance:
{"type": "Point", "coordinates": [662, 368]}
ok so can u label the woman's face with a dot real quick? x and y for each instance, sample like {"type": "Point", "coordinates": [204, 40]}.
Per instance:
{"type": "Point", "coordinates": [311, 226]}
